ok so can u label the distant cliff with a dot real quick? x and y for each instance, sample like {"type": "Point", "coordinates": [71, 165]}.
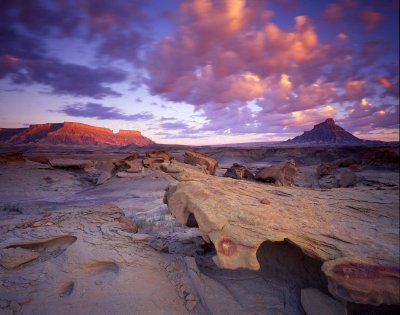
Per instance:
{"type": "Point", "coordinates": [71, 133]}
{"type": "Point", "coordinates": [327, 133]}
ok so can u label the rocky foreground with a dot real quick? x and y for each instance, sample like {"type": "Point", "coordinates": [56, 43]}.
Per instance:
{"type": "Point", "coordinates": [87, 232]}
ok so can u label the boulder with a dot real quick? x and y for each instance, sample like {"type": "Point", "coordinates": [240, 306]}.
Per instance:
{"type": "Point", "coordinates": [70, 163]}
{"type": "Point", "coordinates": [326, 169]}
{"type": "Point", "coordinates": [338, 227]}
{"type": "Point", "coordinates": [364, 280]}
{"type": "Point", "coordinates": [331, 167]}
{"type": "Point", "coordinates": [281, 174]}
{"type": "Point", "coordinates": [153, 162]}
{"type": "Point", "coordinates": [196, 158]}
{"type": "Point", "coordinates": [346, 178]}
{"type": "Point", "coordinates": [167, 156]}
{"type": "Point", "coordinates": [238, 171]}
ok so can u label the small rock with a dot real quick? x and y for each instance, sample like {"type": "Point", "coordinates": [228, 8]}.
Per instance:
{"type": "Point", "coordinates": [15, 306]}
{"type": "Point", "coordinates": [184, 290]}
{"type": "Point", "coordinates": [191, 297]}
{"type": "Point", "coordinates": [266, 201]}
{"type": "Point", "coordinates": [190, 305]}
{"type": "Point", "coordinates": [98, 282]}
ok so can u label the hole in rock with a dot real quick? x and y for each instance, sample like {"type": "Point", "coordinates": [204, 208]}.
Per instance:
{"type": "Point", "coordinates": [285, 263]}
{"type": "Point", "coordinates": [191, 221]}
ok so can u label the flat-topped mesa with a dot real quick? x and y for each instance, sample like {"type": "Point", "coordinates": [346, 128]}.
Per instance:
{"type": "Point", "coordinates": [129, 132]}
{"type": "Point", "coordinates": [72, 133]}
{"type": "Point", "coordinates": [80, 126]}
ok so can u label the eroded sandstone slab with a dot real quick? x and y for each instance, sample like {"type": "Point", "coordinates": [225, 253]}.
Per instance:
{"type": "Point", "coordinates": [326, 225]}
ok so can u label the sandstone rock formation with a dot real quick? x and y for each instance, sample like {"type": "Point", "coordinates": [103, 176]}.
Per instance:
{"type": "Point", "coordinates": [89, 261]}
{"type": "Point", "coordinates": [196, 158]}
{"type": "Point", "coordinates": [153, 162]}
{"type": "Point", "coordinates": [281, 174]}
{"type": "Point", "coordinates": [355, 233]}
{"type": "Point", "coordinates": [167, 156]}
{"type": "Point", "coordinates": [69, 133]}
{"type": "Point", "coordinates": [238, 171]}
{"type": "Point", "coordinates": [331, 167]}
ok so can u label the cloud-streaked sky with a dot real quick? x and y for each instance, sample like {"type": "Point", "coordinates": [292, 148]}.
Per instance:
{"type": "Point", "coordinates": [202, 71]}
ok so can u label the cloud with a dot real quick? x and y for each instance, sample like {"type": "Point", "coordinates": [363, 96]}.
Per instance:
{"type": "Point", "coordinates": [63, 78]}
{"type": "Point", "coordinates": [175, 125]}
{"type": "Point", "coordinates": [118, 26]}
{"type": "Point", "coordinates": [370, 19]}
{"type": "Point", "coordinates": [228, 53]}
{"type": "Point", "coordinates": [333, 12]}
{"type": "Point", "coordinates": [98, 111]}
{"type": "Point", "coordinates": [364, 116]}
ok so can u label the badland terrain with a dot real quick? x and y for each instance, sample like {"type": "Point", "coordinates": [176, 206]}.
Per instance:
{"type": "Point", "coordinates": [93, 222]}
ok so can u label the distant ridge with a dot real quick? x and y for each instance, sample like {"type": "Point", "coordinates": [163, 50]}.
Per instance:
{"type": "Point", "coordinates": [71, 133]}
{"type": "Point", "coordinates": [327, 133]}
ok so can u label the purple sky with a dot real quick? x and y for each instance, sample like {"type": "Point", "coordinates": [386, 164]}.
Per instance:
{"type": "Point", "coordinates": [202, 71]}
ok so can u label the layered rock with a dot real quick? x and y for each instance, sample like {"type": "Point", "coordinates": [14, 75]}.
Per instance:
{"type": "Point", "coordinates": [327, 225]}
{"type": "Point", "coordinates": [195, 158]}
{"type": "Point", "coordinates": [71, 133]}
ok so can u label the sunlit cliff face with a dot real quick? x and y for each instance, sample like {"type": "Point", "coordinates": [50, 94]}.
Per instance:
{"type": "Point", "coordinates": [203, 71]}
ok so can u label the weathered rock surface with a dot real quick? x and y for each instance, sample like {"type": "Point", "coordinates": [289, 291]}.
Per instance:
{"type": "Point", "coordinates": [167, 156]}
{"type": "Point", "coordinates": [11, 258]}
{"type": "Point", "coordinates": [326, 225]}
{"type": "Point", "coordinates": [238, 171]}
{"type": "Point", "coordinates": [70, 163]}
{"type": "Point", "coordinates": [196, 158]}
{"type": "Point", "coordinates": [90, 257]}
{"type": "Point", "coordinates": [281, 174]}
{"type": "Point", "coordinates": [315, 302]}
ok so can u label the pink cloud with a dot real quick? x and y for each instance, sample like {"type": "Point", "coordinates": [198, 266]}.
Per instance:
{"type": "Point", "coordinates": [333, 12]}
{"type": "Point", "coordinates": [370, 18]}
{"type": "Point", "coordinates": [225, 54]}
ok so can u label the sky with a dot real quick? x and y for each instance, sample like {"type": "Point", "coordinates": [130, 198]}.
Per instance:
{"type": "Point", "coordinates": [202, 71]}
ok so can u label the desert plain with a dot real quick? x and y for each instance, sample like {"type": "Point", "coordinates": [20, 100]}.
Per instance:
{"type": "Point", "coordinates": [163, 230]}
